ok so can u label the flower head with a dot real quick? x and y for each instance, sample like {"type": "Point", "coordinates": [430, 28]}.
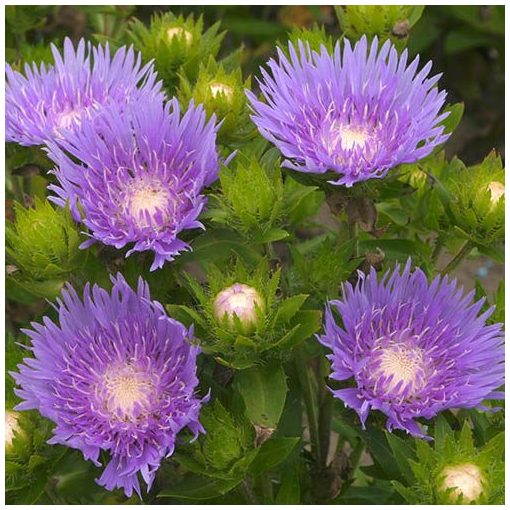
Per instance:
{"type": "Point", "coordinates": [414, 349]}
{"type": "Point", "coordinates": [116, 374]}
{"type": "Point", "coordinates": [12, 427]}
{"type": "Point", "coordinates": [464, 480]}
{"type": "Point", "coordinates": [238, 300]}
{"type": "Point", "coordinates": [47, 101]}
{"type": "Point", "coordinates": [139, 175]}
{"type": "Point", "coordinates": [355, 113]}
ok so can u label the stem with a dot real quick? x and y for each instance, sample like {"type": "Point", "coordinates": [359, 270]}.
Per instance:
{"type": "Point", "coordinates": [325, 411]}
{"type": "Point", "coordinates": [305, 379]}
{"type": "Point", "coordinates": [267, 489]}
{"type": "Point", "coordinates": [247, 490]}
{"type": "Point", "coordinates": [352, 229]}
{"type": "Point", "coordinates": [356, 457]}
{"type": "Point", "coordinates": [437, 248]}
{"type": "Point", "coordinates": [465, 250]}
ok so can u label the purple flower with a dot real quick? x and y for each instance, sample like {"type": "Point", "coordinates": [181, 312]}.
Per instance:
{"type": "Point", "coordinates": [137, 173]}
{"type": "Point", "coordinates": [353, 113]}
{"type": "Point", "coordinates": [412, 349]}
{"type": "Point", "coordinates": [47, 101]}
{"type": "Point", "coordinates": [117, 374]}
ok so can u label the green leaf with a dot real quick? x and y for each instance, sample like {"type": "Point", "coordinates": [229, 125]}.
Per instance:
{"type": "Point", "coordinates": [442, 433]}
{"type": "Point", "coordinates": [263, 389]}
{"type": "Point", "coordinates": [290, 491]}
{"type": "Point", "coordinates": [217, 245]}
{"type": "Point", "coordinates": [452, 121]}
{"type": "Point", "coordinates": [275, 234]}
{"type": "Point", "coordinates": [393, 248]}
{"type": "Point", "coordinates": [402, 451]}
{"type": "Point", "coordinates": [271, 453]}
{"type": "Point", "coordinates": [186, 315]}
{"type": "Point", "coordinates": [289, 307]}
{"type": "Point", "coordinates": [381, 453]}
{"type": "Point", "coordinates": [199, 487]}
{"type": "Point", "coordinates": [307, 323]}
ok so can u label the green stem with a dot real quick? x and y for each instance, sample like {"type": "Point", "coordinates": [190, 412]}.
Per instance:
{"type": "Point", "coordinates": [356, 457]}
{"type": "Point", "coordinates": [248, 493]}
{"type": "Point", "coordinates": [267, 489]}
{"type": "Point", "coordinates": [325, 411]}
{"type": "Point", "coordinates": [465, 250]}
{"type": "Point", "coordinates": [437, 248]}
{"type": "Point", "coordinates": [307, 387]}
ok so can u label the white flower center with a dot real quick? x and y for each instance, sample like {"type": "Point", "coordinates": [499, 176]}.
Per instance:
{"type": "Point", "coordinates": [497, 190]}
{"type": "Point", "coordinates": [338, 137]}
{"type": "Point", "coordinates": [352, 137]}
{"type": "Point", "coordinates": [217, 88]}
{"type": "Point", "coordinates": [125, 388]}
{"type": "Point", "coordinates": [66, 119]}
{"type": "Point", "coordinates": [404, 365]}
{"type": "Point", "coordinates": [465, 479]}
{"type": "Point", "coordinates": [179, 32]}
{"type": "Point", "coordinates": [11, 426]}
{"type": "Point", "coordinates": [145, 199]}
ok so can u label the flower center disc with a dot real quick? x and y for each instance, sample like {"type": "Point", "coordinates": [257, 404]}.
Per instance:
{"type": "Point", "coordinates": [350, 138]}
{"type": "Point", "coordinates": [144, 200]}
{"type": "Point", "coordinates": [125, 389]}
{"type": "Point", "coordinates": [404, 364]}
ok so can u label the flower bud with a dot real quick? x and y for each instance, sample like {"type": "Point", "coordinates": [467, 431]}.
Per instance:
{"type": "Point", "coordinates": [218, 89]}
{"type": "Point", "coordinates": [179, 33]}
{"type": "Point", "coordinates": [240, 300]}
{"type": "Point", "coordinates": [466, 480]}
{"type": "Point", "coordinates": [44, 241]}
{"type": "Point", "coordinates": [497, 190]}
{"type": "Point", "coordinates": [12, 427]}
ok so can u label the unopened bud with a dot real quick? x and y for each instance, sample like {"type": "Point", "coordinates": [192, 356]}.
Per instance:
{"type": "Point", "coordinates": [497, 190]}
{"type": "Point", "coordinates": [241, 300]}
{"type": "Point", "coordinates": [218, 89]}
{"type": "Point", "coordinates": [12, 427]}
{"type": "Point", "coordinates": [466, 480]}
{"type": "Point", "coordinates": [179, 32]}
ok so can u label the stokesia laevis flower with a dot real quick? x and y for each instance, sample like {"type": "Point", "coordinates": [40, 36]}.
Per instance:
{"type": "Point", "coordinates": [139, 176]}
{"type": "Point", "coordinates": [45, 102]}
{"type": "Point", "coordinates": [115, 374]}
{"type": "Point", "coordinates": [413, 349]}
{"type": "Point", "coordinates": [355, 113]}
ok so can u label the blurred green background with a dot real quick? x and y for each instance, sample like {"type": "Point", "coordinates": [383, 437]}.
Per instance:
{"type": "Point", "coordinates": [465, 43]}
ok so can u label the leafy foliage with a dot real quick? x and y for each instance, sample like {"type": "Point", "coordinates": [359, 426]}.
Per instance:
{"type": "Point", "coordinates": [274, 433]}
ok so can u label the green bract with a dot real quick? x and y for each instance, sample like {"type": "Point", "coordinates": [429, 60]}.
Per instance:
{"type": "Point", "coordinates": [43, 246]}
{"type": "Point", "coordinates": [475, 209]}
{"type": "Point", "coordinates": [221, 453]}
{"type": "Point", "coordinates": [455, 469]}
{"type": "Point", "coordinates": [280, 322]}
{"type": "Point", "coordinates": [222, 93]}
{"type": "Point", "coordinates": [386, 21]}
{"type": "Point", "coordinates": [177, 44]}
